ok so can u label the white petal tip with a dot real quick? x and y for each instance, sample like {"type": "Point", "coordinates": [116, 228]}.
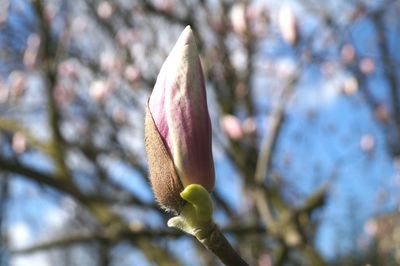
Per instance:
{"type": "Point", "coordinates": [186, 36]}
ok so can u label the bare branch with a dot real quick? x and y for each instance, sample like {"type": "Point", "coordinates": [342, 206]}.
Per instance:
{"type": "Point", "coordinates": [122, 235]}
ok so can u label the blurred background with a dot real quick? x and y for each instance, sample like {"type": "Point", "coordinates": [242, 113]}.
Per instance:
{"type": "Point", "coordinates": [304, 98]}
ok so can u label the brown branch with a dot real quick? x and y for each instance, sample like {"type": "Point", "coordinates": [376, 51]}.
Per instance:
{"type": "Point", "coordinates": [250, 42]}
{"type": "Point", "coordinates": [390, 70]}
{"type": "Point", "coordinates": [284, 228]}
{"type": "Point", "coordinates": [151, 9]}
{"type": "Point", "coordinates": [224, 206]}
{"type": "Point", "coordinates": [13, 127]}
{"type": "Point", "coordinates": [4, 196]}
{"type": "Point", "coordinates": [95, 204]}
{"type": "Point", "coordinates": [62, 186]}
{"type": "Point", "coordinates": [49, 66]}
{"type": "Point", "coordinates": [271, 138]}
{"type": "Point", "coordinates": [50, 180]}
{"type": "Point", "coordinates": [84, 237]}
{"type": "Point", "coordinates": [225, 87]}
{"type": "Point", "coordinates": [316, 200]}
{"type": "Point", "coordinates": [121, 235]}
{"type": "Point", "coordinates": [267, 149]}
{"type": "Point", "coordinates": [313, 257]}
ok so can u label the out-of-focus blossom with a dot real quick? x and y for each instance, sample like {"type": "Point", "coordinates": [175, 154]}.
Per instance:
{"type": "Point", "coordinates": [50, 12]}
{"type": "Point", "coordinates": [288, 25]}
{"type": "Point", "coordinates": [17, 83]}
{"type": "Point", "coordinates": [68, 69]}
{"type": "Point", "coordinates": [79, 24]}
{"type": "Point", "coordinates": [238, 18]}
{"type": "Point", "coordinates": [348, 53]}
{"type": "Point", "coordinates": [285, 67]}
{"type": "Point", "coordinates": [127, 37]}
{"type": "Point", "coordinates": [164, 5]}
{"type": "Point", "coordinates": [367, 143]}
{"type": "Point", "coordinates": [20, 233]}
{"type": "Point", "coordinates": [132, 73]}
{"type": "Point", "coordinates": [4, 5]}
{"type": "Point", "coordinates": [239, 59]}
{"type": "Point", "coordinates": [217, 24]}
{"type": "Point", "coordinates": [99, 90]}
{"type": "Point", "coordinates": [367, 66]}
{"type": "Point", "coordinates": [241, 90]}
{"type": "Point", "coordinates": [249, 126]}
{"type": "Point", "coordinates": [18, 143]}
{"type": "Point", "coordinates": [119, 115]}
{"type": "Point", "coordinates": [109, 62]}
{"type": "Point", "coordinates": [31, 51]}
{"type": "Point", "coordinates": [136, 225]}
{"type": "Point", "coordinates": [350, 86]}
{"type": "Point", "coordinates": [178, 127]}
{"type": "Point", "coordinates": [231, 126]}
{"type": "Point", "coordinates": [265, 260]}
{"type": "Point", "coordinates": [287, 159]}
{"type": "Point", "coordinates": [258, 18]}
{"type": "Point", "coordinates": [371, 228]}
{"type": "Point", "coordinates": [3, 18]}
{"type": "Point", "coordinates": [104, 10]}
{"type": "Point", "coordinates": [4, 92]}
{"type": "Point", "coordinates": [63, 95]}
{"type": "Point", "coordinates": [328, 69]}
{"type": "Point", "coordinates": [254, 11]}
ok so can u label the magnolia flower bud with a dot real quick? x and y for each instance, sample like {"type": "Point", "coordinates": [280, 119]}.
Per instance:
{"type": "Point", "coordinates": [178, 127]}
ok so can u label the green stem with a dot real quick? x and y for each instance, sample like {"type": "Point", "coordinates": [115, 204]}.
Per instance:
{"type": "Point", "coordinates": [213, 239]}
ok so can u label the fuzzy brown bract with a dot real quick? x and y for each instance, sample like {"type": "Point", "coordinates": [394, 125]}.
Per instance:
{"type": "Point", "coordinates": [164, 180]}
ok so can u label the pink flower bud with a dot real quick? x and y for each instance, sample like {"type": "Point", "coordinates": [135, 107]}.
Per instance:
{"type": "Point", "coordinates": [238, 18]}
{"type": "Point", "coordinates": [177, 111]}
{"type": "Point", "coordinates": [288, 25]}
{"type": "Point", "coordinates": [231, 126]}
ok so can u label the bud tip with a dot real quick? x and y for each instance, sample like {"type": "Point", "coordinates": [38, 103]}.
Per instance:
{"type": "Point", "coordinates": [186, 36]}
